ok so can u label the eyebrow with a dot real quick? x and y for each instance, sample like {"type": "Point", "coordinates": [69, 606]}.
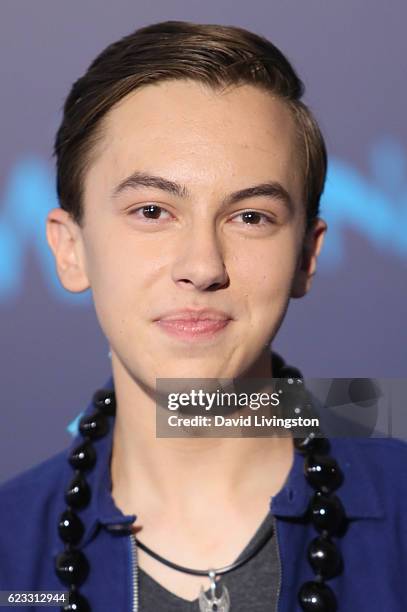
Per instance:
{"type": "Point", "coordinates": [272, 189]}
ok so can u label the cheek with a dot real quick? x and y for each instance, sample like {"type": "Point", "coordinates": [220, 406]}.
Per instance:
{"type": "Point", "coordinates": [267, 272]}
{"type": "Point", "coordinates": [266, 287]}
{"type": "Point", "coordinates": [117, 274]}
{"type": "Point", "coordinates": [270, 296]}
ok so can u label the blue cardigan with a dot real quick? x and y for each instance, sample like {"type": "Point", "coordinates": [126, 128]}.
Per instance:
{"type": "Point", "coordinates": [374, 548]}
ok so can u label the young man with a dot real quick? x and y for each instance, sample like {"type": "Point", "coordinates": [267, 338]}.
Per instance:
{"type": "Point", "coordinates": [189, 179]}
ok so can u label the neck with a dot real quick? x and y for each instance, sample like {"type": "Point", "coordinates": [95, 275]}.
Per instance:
{"type": "Point", "coordinates": [181, 474]}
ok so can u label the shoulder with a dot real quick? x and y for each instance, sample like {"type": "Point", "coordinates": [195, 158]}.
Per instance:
{"type": "Point", "coordinates": [29, 505]}
{"type": "Point", "coordinates": [376, 468]}
{"type": "Point", "coordinates": [32, 492]}
{"type": "Point", "coordinates": [36, 483]}
{"type": "Point", "coordinates": [378, 453]}
{"type": "Point", "coordinates": [387, 460]}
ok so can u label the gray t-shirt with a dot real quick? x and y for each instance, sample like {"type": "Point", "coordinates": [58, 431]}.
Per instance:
{"type": "Point", "coordinates": [253, 586]}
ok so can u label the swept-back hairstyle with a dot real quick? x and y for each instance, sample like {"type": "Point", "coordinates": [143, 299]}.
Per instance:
{"type": "Point", "coordinates": [216, 55]}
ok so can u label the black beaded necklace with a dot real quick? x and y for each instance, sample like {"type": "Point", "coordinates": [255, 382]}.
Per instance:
{"type": "Point", "coordinates": [325, 509]}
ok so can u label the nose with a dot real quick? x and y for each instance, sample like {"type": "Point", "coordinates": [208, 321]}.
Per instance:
{"type": "Point", "coordinates": [200, 264]}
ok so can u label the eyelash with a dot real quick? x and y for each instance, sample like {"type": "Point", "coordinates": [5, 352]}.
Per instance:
{"type": "Point", "coordinates": [268, 220]}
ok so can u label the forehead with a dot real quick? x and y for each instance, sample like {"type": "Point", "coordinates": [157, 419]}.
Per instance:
{"type": "Point", "coordinates": [192, 133]}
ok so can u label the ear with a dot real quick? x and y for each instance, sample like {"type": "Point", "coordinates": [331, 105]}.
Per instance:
{"type": "Point", "coordinates": [64, 237]}
{"type": "Point", "coordinates": [307, 262]}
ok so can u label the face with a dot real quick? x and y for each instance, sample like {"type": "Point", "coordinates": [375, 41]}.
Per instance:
{"type": "Point", "coordinates": [212, 217]}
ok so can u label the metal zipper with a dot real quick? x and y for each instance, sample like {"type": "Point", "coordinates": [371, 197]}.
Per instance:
{"type": "Point", "coordinates": [134, 573]}
{"type": "Point", "coordinates": [280, 570]}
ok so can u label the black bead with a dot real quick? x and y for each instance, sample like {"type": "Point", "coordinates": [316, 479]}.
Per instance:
{"type": "Point", "coordinates": [72, 567]}
{"type": "Point", "coordinates": [324, 557]}
{"type": "Point", "coordinates": [292, 399]}
{"type": "Point", "coordinates": [83, 457]}
{"type": "Point", "coordinates": [77, 603]}
{"type": "Point", "coordinates": [307, 409]}
{"type": "Point", "coordinates": [323, 472]}
{"type": "Point", "coordinates": [78, 492]}
{"type": "Point", "coordinates": [277, 362]}
{"type": "Point", "coordinates": [94, 426]}
{"type": "Point", "coordinates": [70, 527]}
{"type": "Point", "coordinates": [289, 372]}
{"type": "Point", "coordinates": [327, 513]}
{"type": "Point", "coordinates": [105, 401]}
{"type": "Point", "coordinates": [312, 444]}
{"type": "Point", "coordinates": [293, 388]}
{"type": "Point", "coordinates": [317, 597]}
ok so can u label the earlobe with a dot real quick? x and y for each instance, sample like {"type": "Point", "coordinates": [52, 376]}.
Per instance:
{"type": "Point", "coordinates": [65, 241]}
{"type": "Point", "coordinates": [308, 260]}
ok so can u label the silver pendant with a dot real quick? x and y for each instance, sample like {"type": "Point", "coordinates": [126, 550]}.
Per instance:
{"type": "Point", "coordinates": [211, 603]}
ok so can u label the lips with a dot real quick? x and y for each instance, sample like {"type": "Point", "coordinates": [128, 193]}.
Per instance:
{"type": "Point", "coordinates": [189, 315]}
{"type": "Point", "coordinates": [192, 324]}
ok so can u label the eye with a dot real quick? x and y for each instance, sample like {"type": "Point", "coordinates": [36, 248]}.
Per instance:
{"type": "Point", "coordinates": [153, 212]}
{"type": "Point", "coordinates": [148, 211]}
{"type": "Point", "coordinates": [253, 217]}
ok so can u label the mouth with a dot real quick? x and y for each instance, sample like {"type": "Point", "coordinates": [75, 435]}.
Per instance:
{"type": "Point", "coordinates": [193, 329]}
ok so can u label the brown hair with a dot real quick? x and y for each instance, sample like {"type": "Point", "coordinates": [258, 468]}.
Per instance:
{"type": "Point", "coordinates": [219, 56]}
